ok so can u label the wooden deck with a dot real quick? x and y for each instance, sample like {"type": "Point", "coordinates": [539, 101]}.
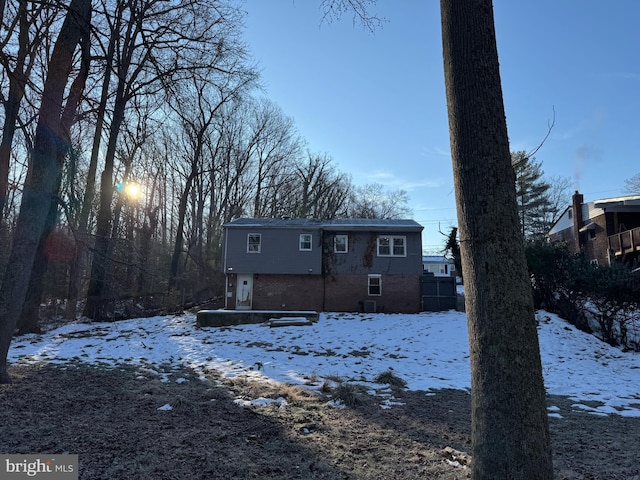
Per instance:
{"type": "Point", "coordinates": [224, 318]}
{"type": "Point", "coordinates": [625, 242]}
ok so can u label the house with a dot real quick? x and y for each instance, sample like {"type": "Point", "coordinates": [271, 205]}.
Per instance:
{"type": "Point", "coordinates": [323, 265]}
{"type": "Point", "coordinates": [605, 230]}
{"type": "Point", "coordinates": [440, 266]}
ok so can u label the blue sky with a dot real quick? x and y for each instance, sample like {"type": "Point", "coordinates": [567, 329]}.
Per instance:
{"type": "Point", "coordinates": [376, 103]}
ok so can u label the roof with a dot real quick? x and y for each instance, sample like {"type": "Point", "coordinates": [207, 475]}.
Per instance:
{"type": "Point", "coordinates": [338, 224]}
{"type": "Point", "coordinates": [631, 202]}
{"type": "Point", "coordinates": [436, 259]}
{"type": "Point", "coordinates": [590, 210]}
{"type": "Point", "coordinates": [626, 200]}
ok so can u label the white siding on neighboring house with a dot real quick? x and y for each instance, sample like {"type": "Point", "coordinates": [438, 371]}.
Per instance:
{"type": "Point", "coordinates": [438, 265]}
{"type": "Point", "coordinates": [589, 211]}
{"type": "Point", "coordinates": [565, 221]}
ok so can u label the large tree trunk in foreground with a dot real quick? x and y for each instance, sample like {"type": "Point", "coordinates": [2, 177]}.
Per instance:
{"type": "Point", "coordinates": [509, 418]}
{"type": "Point", "coordinates": [42, 179]}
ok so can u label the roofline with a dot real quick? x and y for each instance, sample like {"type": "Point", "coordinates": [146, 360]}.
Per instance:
{"type": "Point", "coordinates": [329, 225]}
{"type": "Point", "coordinates": [351, 228]}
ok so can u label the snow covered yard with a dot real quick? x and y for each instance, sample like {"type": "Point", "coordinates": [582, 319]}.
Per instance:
{"type": "Point", "coordinates": [429, 351]}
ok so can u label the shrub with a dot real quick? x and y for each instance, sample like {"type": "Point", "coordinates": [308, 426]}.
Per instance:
{"type": "Point", "coordinates": [578, 291]}
{"type": "Point", "coordinates": [349, 394]}
{"type": "Point", "coordinates": [556, 281]}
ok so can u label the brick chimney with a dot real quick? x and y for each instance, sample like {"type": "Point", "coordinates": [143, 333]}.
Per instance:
{"type": "Point", "coordinates": [578, 199]}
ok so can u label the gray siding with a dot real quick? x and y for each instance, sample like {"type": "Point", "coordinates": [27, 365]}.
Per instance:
{"type": "Point", "coordinates": [362, 257]}
{"type": "Point", "coordinates": [279, 251]}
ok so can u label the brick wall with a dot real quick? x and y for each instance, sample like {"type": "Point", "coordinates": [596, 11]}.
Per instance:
{"type": "Point", "coordinates": [597, 248]}
{"type": "Point", "coordinates": [339, 293]}
{"type": "Point", "coordinates": [287, 292]}
{"type": "Point", "coordinates": [565, 236]}
{"type": "Point", "coordinates": [345, 293]}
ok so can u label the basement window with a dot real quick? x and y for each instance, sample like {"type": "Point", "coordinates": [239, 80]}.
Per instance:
{"type": "Point", "coordinates": [375, 284]}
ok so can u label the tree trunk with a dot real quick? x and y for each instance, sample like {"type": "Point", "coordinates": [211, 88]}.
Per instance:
{"type": "Point", "coordinates": [177, 246]}
{"type": "Point", "coordinates": [29, 317]}
{"type": "Point", "coordinates": [82, 237]}
{"type": "Point", "coordinates": [17, 84]}
{"type": "Point", "coordinates": [44, 170]}
{"type": "Point", "coordinates": [98, 291]}
{"type": "Point", "coordinates": [509, 418]}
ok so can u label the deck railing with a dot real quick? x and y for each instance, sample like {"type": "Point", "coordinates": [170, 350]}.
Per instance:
{"type": "Point", "coordinates": [625, 242]}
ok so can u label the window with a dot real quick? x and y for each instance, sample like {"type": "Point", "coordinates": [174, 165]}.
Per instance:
{"type": "Point", "coordinates": [305, 242]}
{"type": "Point", "coordinates": [392, 246]}
{"type": "Point", "coordinates": [375, 284]}
{"type": "Point", "coordinates": [341, 243]}
{"type": "Point", "coordinates": [253, 243]}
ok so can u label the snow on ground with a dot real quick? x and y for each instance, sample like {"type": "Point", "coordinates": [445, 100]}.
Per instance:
{"type": "Point", "coordinates": [428, 350]}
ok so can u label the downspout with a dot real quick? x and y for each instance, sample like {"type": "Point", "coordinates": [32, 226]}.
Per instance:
{"type": "Point", "coordinates": [224, 266]}
{"type": "Point", "coordinates": [322, 269]}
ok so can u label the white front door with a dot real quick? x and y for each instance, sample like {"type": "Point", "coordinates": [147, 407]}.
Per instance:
{"type": "Point", "coordinates": [244, 292]}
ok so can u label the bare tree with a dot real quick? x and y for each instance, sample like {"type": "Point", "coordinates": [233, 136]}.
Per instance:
{"type": "Point", "coordinates": [28, 26]}
{"type": "Point", "coordinates": [43, 177]}
{"type": "Point", "coordinates": [29, 318]}
{"type": "Point", "coordinates": [632, 185]}
{"type": "Point", "coordinates": [275, 149]}
{"type": "Point", "coordinates": [231, 181]}
{"type": "Point", "coordinates": [160, 44]}
{"type": "Point", "coordinates": [374, 201]}
{"type": "Point", "coordinates": [320, 191]}
{"type": "Point", "coordinates": [359, 9]}
{"type": "Point", "coordinates": [558, 197]}
{"type": "Point", "coordinates": [112, 24]}
{"type": "Point", "coordinates": [198, 108]}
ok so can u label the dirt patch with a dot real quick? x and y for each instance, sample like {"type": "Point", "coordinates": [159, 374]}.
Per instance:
{"type": "Point", "coordinates": [111, 419]}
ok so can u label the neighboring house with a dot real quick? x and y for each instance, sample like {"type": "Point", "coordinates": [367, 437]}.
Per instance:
{"type": "Point", "coordinates": [440, 266]}
{"type": "Point", "coordinates": [605, 230]}
{"type": "Point", "coordinates": [330, 265]}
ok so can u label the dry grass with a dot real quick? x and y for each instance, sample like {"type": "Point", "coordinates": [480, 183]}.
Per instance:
{"type": "Point", "coordinates": [389, 378]}
{"type": "Point", "coordinates": [110, 418]}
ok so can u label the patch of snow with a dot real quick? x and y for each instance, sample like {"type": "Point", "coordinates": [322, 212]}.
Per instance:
{"type": "Point", "coordinates": [261, 401]}
{"type": "Point", "coordinates": [428, 350]}
{"type": "Point", "coordinates": [336, 404]}
{"type": "Point", "coordinates": [387, 404]}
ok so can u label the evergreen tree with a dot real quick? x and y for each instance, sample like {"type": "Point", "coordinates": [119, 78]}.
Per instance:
{"type": "Point", "coordinates": [534, 205]}
{"type": "Point", "coordinates": [452, 247]}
